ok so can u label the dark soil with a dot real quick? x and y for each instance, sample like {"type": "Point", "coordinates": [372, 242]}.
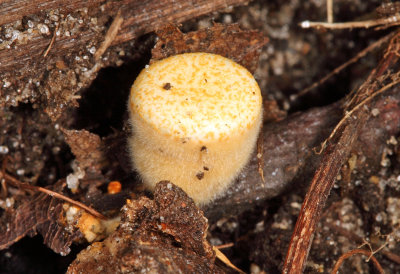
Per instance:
{"type": "Point", "coordinates": [366, 204]}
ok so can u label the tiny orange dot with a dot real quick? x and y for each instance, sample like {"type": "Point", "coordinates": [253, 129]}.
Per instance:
{"type": "Point", "coordinates": [114, 187]}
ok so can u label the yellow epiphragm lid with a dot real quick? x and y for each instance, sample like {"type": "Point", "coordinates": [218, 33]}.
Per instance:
{"type": "Point", "coordinates": [199, 96]}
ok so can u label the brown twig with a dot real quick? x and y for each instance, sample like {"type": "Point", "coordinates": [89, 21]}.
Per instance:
{"type": "Point", "coordinates": [349, 114]}
{"type": "Point", "coordinates": [355, 238]}
{"type": "Point", "coordinates": [224, 246]}
{"type": "Point", "coordinates": [260, 153]}
{"type": "Point", "coordinates": [110, 35]}
{"type": "Point", "coordinates": [335, 155]}
{"type": "Point", "coordinates": [221, 256]}
{"type": "Point", "coordinates": [387, 26]}
{"type": "Point", "coordinates": [351, 25]}
{"type": "Point", "coordinates": [360, 55]}
{"type": "Point", "coordinates": [51, 193]}
{"type": "Point", "coordinates": [4, 190]}
{"type": "Point", "coordinates": [288, 152]}
{"type": "Point", "coordinates": [329, 11]}
{"type": "Point", "coordinates": [392, 256]}
{"type": "Point", "coordinates": [354, 252]}
{"type": "Point", "coordinates": [51, 41]}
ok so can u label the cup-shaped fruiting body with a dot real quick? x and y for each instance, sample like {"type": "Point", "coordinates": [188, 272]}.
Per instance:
{"type": "Point", "coordinates": [195, 119]}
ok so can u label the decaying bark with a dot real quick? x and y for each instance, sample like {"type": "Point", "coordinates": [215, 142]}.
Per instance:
{"type": "Point", "coordinates": [289, 158]}
{"type": "Point", "coordinates": [243, 47]}
{"type": "Point", "coordinates": [167, 235]}
{"type": "Point", "coordinates": [48, 44]}
{"type": "Point", "coordinates": [340, 144]}
{"type": "Point", "coordinates": [48, 54]}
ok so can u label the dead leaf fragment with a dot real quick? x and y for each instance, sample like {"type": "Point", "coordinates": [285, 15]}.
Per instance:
{"type": "Point", "coordinates": [86, 147]}
{"type": "Point", "coordinates": [242, 46]}
{"type": "Point", "coordinates": [41, 214]}
{"type": "Point", "coordinates": [166, 235]}
{"type": "Point", "coordinates": [225, 260]}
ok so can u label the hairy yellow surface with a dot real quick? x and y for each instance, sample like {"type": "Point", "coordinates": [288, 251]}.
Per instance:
{"type": "Point", "coordinates": [195, 120]}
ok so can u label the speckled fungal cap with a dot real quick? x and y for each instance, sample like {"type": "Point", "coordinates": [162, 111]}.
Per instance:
{"type": "Point", "coordinates": [195, 120]}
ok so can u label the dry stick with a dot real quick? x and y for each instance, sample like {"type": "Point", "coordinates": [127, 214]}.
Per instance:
{"type": "Point", "coordinates": [4, 190]}
{"type": "Point", "coordinates": [355, 238]}
{"type": "Point", "coordinates": [373, 252]}
{"type": "Point", "coordinates": [351, 25]}
{"type": "Point", "coordinates": [221, 256]}
{"type": "Point", "coordinates": [260, 153]}
{"type": "Point", "coordinates": [353, 252]}
{"type": "Point", "coordinates": [329, 11]}
{"type": "Point", "coordinates": [387, 26]}
{"type": "Point", "coordinates": [334, 157]}
{"type": "Point", "coordinates": [351, 112]}
{"type": "Point", "coordinates": [51, 193]}
{"type": "Point", "coordinates": [343, 66]}
{"type": "Point", "coordinates": [51, 41]}
{"type": "Point", "coordinates": [224, 246]}
{"type": "Point", "coordinates": [110, 35]}
{"type": "Point", "coordinates": [391, 256]}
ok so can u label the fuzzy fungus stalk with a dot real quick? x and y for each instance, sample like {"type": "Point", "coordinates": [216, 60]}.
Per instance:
{"type": "Point", "coordinates": [195, 119]}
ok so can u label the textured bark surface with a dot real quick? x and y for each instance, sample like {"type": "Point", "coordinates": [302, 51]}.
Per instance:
{"type": "Point", "coordinates": [289, 157]}
{"type": "Point", "coordinates": [139, 17]}
{"type": "Point", "coordinates": [47, 44]}
{"type": "Point", "coordinates": [65, 75]}
{"type": "Point", "coordinates": [167, 235]}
